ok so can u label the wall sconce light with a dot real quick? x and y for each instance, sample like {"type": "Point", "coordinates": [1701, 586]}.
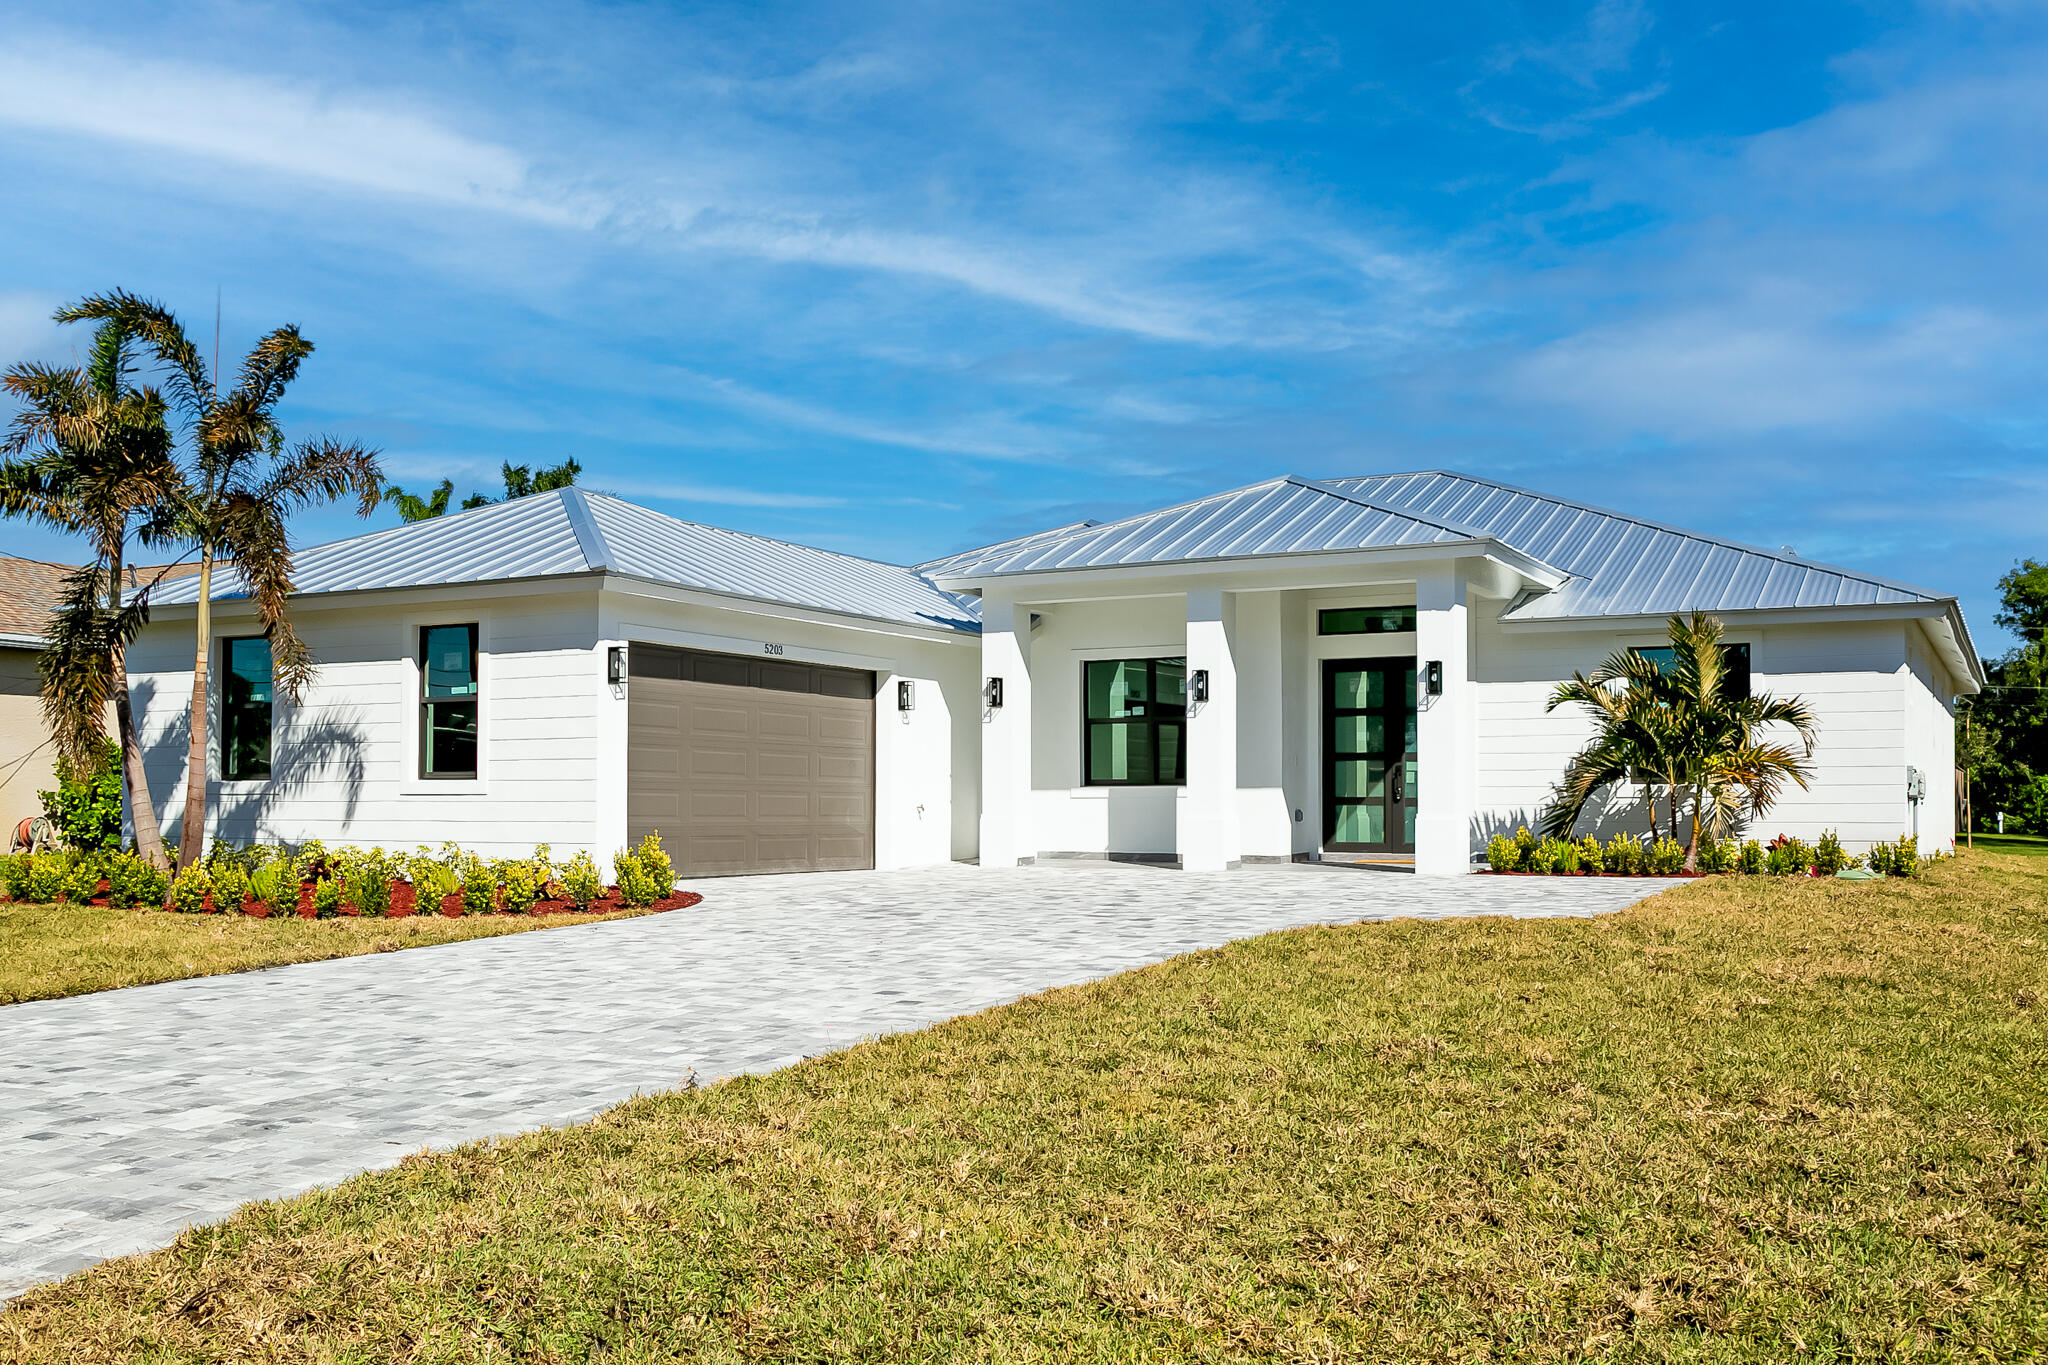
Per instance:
{"type": "Point", "coordinates": [1433, 678]}
{"type": "Point", "coordinates": [992, 693]}
{"type": "Point", "coordinates": [615, 665]}
{"type": "Point", "coordinates": [906, 695]}
{"type": "Point", "coordinates": [1198, 686]}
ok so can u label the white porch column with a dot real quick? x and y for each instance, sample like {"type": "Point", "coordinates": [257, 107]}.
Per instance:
{"type": "Point", "coordinates": [1444, 725]}
{"type": "Point", "coordinates": [1207, 824]}
{"type": "Point", "coordinates": [1006, 835]}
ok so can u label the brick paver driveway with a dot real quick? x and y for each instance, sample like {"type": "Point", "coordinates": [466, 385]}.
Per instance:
{"type": "Point", "coordinates": [127, 1115]}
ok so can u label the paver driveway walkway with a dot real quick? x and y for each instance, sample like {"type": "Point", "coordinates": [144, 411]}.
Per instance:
{"type": "Point", "coordinates": [127, 1115]}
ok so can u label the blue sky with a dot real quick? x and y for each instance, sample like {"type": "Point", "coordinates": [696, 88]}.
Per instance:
{"type": "Point", "coordinates": [899, 279]}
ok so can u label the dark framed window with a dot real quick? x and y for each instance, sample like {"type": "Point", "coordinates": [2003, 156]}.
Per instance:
{"type": "Point", "coordinates": [448, 701]}
{"type": "Point", "coordinates": [1136, 720]}
{"type": "Point", "coordinates": [1734, 664]}
{"type": "Point", "coordinates": [245, 713]}
{"type": "Point", "coordinates": [1365, 620]}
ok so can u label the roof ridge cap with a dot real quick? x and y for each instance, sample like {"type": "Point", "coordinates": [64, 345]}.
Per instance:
{"type": "Point", "coordinates": [1458, 528]}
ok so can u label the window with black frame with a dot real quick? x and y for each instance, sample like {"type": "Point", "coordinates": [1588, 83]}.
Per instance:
{"type": "Point", "coordinates": [1734, 666]}
{"type": "Point", "coordinates": [448, 701]}
{"type": "Point", "coordinates": [245, 713]}
{"type": "Point", "coordinates": [1136, 719]}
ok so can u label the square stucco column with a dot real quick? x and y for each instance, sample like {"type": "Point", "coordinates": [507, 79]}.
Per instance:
{"type": "Point", "coordinates": [1444, 725]}
{"type": "Point", "coordinates": [1006, 835]}
{"type": "Point", "coordinates": [1207, 823]}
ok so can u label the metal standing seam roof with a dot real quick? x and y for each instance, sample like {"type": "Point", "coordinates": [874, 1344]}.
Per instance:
{"type": "Point", "coordinates": [1278, 517]}
{"type": "Point", "coordinates": [571, 531]}
{"type": "Point", "coordinates": [1626, 566]}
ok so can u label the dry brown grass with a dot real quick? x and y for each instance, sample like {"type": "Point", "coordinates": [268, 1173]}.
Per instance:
{"type": "Point", "coordinates": [53, 950]}
{"type": "Point", "coordinates": [1751, 1120]}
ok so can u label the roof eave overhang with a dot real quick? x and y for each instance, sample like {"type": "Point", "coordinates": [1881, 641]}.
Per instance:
{"type": "Point", "coordinates": [1942, 617]}
{"type": "Point", "coordinates": [546, 583]}
{"type": "Point", "coordinates": [1300, 568]}
{"type": "Point", "coordinates": [10, 639]}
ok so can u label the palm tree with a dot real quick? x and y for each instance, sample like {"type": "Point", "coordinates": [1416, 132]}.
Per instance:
{"type": "Point", "coordinates": [1684, 726]}
{"type": "Point", "coordinates": [520, 481]}
{"type": "Point", "coordinates": [1634, 742]}
{"type": "Point", "coordinates": [91, 454]}
{"type": "Point", "coordinates": [1728, 764]}
{"type": "Point", "coordinates": [244, 483]}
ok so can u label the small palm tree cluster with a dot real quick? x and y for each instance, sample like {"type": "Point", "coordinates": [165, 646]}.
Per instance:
{"type": "Point", "coordinates": [520, 481]}
{"type": "Point", "coordinates": [1679, 726]}
{"type": "Point", "coordinates": [95, 452]}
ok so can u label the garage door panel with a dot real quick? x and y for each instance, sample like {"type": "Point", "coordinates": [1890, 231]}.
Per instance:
{"type": "Point", "coordinates": [750, 765]}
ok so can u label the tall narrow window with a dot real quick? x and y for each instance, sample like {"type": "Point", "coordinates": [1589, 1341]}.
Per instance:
{"type": "Point", "coordinates": [448, 700]}
{"type": "Point", "coordinates": [1136, 715]}
{"type": "Point", "coordinates": [245, 709]}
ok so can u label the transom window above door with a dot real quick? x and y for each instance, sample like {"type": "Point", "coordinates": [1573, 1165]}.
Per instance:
{"type": "Point", "coordinates": [1135, 722]}
{"type": "Point", "coordinates": [1365, 620]}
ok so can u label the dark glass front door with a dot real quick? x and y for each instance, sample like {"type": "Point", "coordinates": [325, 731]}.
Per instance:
{"type": "Point", "coordinates": [1369, 755]}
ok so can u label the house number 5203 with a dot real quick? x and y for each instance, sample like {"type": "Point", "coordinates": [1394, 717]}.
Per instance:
{"type": "Point", "coordinates": [771, 649]}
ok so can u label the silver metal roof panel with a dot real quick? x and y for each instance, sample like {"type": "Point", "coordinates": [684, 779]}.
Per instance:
{"type": "Point", "coordinates": [569, 531]}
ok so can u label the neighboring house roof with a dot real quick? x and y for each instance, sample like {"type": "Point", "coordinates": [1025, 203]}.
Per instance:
{"type": "Point", "coordinates": [570, 531]}
{"type": "Point", "coordinates": [1279, 517]}
{"type": "Point", "coordinates": [30, 589]}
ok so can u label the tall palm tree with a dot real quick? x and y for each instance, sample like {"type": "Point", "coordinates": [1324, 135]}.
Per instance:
{"type": "Point", "coordinates": [242, 486]}
{"type": "Point", "coordinates": [1682, 726]}
{"type": "Point", "coordinates": [90, 453]}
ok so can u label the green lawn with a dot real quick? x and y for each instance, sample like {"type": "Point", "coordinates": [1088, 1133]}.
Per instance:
{"type": "Point", "coordinates": [1749, 1121]}
{"type": "Point", "coordinates": [53, 950]}
{"type": "Point", "coordinates": [2026, 845]}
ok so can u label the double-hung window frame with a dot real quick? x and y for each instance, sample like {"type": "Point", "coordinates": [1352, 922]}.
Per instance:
{"type": "Point", "coordinates": [1728, 647]}
{"type": "Point", "coordinates": [423, 705]}
{"type": "Point", "coordinates": [1156, 714]}
{"type": "Point", "coordinates": [223, 652]}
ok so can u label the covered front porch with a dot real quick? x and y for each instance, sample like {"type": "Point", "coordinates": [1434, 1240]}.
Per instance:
{"type": "Point", "coordinates": [1307, 707]}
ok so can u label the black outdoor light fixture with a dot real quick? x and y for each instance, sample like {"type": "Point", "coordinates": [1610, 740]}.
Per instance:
{"type": "Point", "coordinates": [1433, 678]}
{"type": "Point", "coordinates": [1198, 686]}
{"type": "Point", "coordinates": [992, 693]}
{"type": "Point", "coordinates": [615, 665]}
{"type": "Point", "coordinates": [906, 695]}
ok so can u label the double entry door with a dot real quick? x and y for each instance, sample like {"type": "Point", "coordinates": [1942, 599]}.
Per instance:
{"type": "Point", "coordinates": [1369, 755]}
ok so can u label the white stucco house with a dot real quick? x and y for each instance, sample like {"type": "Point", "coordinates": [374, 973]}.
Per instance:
{"type": "Point", "coordinates": [1347, 668]}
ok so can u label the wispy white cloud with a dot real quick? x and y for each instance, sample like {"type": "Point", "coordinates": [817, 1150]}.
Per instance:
{"type": "Point", "coordinates": [938, 438]}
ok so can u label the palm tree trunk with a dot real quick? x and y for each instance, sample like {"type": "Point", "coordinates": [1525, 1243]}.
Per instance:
{"type": "Point", "coordinates": [149, 841]}
{"type": "Point", "coordinates": [1650, 804]}
{"type": "Point", "coordinates": [192, 831]}
{"type": "Point", "coordinates": [1692, 843]}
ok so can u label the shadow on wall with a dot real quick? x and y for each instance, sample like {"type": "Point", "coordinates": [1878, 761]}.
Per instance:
{"type": "Point", "coordinates": [1616, 815]}
{"type": "Point", "coordinates": [327, 756]}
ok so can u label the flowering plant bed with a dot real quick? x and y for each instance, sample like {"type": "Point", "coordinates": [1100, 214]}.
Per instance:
{"type": "Point", "coordinates": [405, 897]}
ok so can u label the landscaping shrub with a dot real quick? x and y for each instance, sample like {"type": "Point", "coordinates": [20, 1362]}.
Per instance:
{"type": "Point", "coordinates": [81, 879]}
{"type": "Point", "coordinates": [1753, 859]}
{"type": "Point", "coordinates": [525, 881]}
{"type": "Point", "coordinates": [434, 879]}
{"type": "Point", "coordinates": [86, 807]}
{"type": "Point", "coordinates": [132, 882]}
{"type": "Point", "coordinates": [276, 884]}
{"type": "Point", "coordinates": [366, 876]}
{"type": "Point", "coordinates": [1715, 855]}
{"type": "Point", "coordinates": [1623, 855]}
{"type": "Point", "coordinates": [13, 873]}
{"type": "Point", "coordinates": [188, 890]}
{"type": "Point", "coordinates": [1901, 859]}
{"type": "Point", "coordinates": [230, 886]}
{"type": "Point", "coordinates": [1829, 857]}
{"type": "Point", "coordinates": [581, 882]}
{"type": "Point", "coordinates": [479, 885]}
{"type": "Point", "coordinates": [326, 898]}
{"type": "Point", "coordinates": [1788, 857]}
{"type": "Point", "coordinates": [655, 863]}
{"type": "Point", "coordinates": [1666, 856]}
{"type": "Point", "coordinates": [1564, 855]}
{"type": "Point", "coordinates": [636, 885]}
{"type": "Point", "coordinates": [1590, 856]}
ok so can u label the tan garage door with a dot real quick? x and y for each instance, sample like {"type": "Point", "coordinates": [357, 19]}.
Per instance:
{"type": "Point", "coordinates": [751, 765]}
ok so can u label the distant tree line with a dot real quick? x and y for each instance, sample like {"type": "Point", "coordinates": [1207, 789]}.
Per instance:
{"type": "Point", "coordinates": [520, 481]}
{"type": "Point", "coordinates": [2002, 733]}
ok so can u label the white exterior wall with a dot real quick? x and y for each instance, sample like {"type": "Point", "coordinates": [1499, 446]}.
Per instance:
{"type": "Point", "coordinates": [1930, 741]}
{"type": "Point", "coordinates": [1854, 675]}
{"type": "Point", "coordinates": [553, 736]}
{"type": "Point", "coordinates": [345, 759]}
{"type": "Point", "coordinates": [1067, 815]}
